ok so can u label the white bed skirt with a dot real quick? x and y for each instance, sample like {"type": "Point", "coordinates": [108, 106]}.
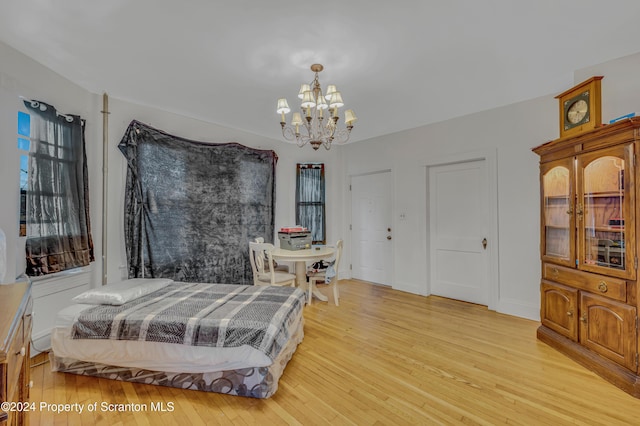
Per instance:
{"type": "Point", "coordinates": [255, 381]}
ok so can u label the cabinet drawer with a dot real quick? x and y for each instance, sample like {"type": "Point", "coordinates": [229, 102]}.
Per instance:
{"type": "Point", "coordinates": [613, 288]}
{"type": "Point", "coordinates": [14, 360]}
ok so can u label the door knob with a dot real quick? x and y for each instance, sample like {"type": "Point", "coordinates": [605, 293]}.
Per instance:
{"type": "Point", "coordinates": [484, 243]}
{"type": "Point", "coordinates": [388, 237]}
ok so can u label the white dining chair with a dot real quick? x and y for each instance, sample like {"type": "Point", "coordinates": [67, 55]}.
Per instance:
{"type": "Point", "coordinates": [259, 255]}
{"type": "Point", "coordinates": [278, 267]}
{"type": "Point", "coordinates": [321, 277]}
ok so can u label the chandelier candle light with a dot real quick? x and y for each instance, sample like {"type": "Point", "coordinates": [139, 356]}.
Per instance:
{"type": "Point", "coordinates": [315, 130]}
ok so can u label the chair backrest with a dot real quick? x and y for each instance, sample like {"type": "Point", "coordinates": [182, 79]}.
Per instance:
{"type": "Point", "coordinates": [259, 254]}
{"type": "Point", "coordinates": [336, 264]}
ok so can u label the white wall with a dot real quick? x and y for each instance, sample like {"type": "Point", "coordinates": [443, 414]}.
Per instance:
{"type": "Point", "coordinates": [21, 76]}
{"type": "Point", "coordinates": [620, 85]}
{"type": "Point", "coordinates": [512, 131]}
{"type": "Point", "coordinates": [288, 155]}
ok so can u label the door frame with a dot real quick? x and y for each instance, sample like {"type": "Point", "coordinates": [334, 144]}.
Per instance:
{"type": "Point", "coordinates": [350, 224]}
{"type": "Point", "coordinates": [489, 155]}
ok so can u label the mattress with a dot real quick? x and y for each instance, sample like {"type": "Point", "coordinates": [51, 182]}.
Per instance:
{"type": "Point", "coordinates": [212, 337]}
{"type": "Point", "coordinates": [167, 357]}
{"type": "Point", "coordinates": [254, 382]}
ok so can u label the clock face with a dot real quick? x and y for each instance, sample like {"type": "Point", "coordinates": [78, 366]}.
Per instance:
{"type": "Point", "coordinates": [577, 111]}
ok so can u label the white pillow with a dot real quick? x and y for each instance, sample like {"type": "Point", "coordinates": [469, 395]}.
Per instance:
{"type": "Point", "coordinates": [122, 292]}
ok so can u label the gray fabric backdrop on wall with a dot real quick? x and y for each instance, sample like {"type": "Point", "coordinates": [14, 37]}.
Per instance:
{"type": "Point", "coordinates": [192, 207]}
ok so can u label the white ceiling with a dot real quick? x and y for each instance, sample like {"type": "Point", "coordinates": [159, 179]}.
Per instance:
{"type": "Point", "coordinates": [399, 64]}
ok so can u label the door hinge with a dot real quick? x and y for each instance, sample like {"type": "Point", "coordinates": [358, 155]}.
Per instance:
{"type": "Point", "coordinates": [349, 187]}
{"type": "Point", "coordinates": [350, 266]}
{"type": "Point", "coordinates": [351, 229]}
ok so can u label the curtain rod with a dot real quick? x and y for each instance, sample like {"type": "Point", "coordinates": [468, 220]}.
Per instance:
{"type": "Point", "coordinates": [35, 104]}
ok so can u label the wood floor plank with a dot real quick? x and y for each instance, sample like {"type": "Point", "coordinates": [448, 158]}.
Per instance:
{"type": "Point", "coordinates": [381, 357]}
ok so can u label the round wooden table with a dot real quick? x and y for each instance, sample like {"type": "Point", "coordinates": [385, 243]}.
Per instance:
{"type": "Point", "coordinates": [301, 257]}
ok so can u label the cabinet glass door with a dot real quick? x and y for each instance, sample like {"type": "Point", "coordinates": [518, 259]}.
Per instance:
{"type": "Point", "coordinates": [603, 212]}
{"type": "Point", "coordinates": [557, 215]}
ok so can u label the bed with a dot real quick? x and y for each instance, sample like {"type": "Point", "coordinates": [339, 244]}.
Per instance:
{"type": "Point", "coordinates": [232, 339]}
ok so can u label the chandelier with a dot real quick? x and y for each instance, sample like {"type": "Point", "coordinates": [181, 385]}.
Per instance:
{"type": "Point", "coordinates": [318, 127]}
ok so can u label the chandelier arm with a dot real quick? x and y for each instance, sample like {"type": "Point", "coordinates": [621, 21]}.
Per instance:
{"type": "Point", "coordinates": [288, 132]}
{"type": "Point", "coordinates": [302, 140]}
{"type": "Point", "coordinates": [342, 135]}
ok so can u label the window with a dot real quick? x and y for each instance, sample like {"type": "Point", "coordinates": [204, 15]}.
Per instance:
{"type": "Point", "coordinates": [24, 132]}
{"type": "Point", "coordinates": [54, 205]}
{"type": "Point", "coordinates": [310, 200]}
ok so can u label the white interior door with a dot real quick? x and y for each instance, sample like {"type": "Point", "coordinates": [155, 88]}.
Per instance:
{"type": "Point", "coordinates": [459, 226]}
{"type": "Point", "coordinates": [371, 227]}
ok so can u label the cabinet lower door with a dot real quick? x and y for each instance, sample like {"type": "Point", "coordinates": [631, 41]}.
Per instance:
{"type": "Point", "coordinates": [558, 309]}
{"type": "Point", "coordinates": [609, 328]}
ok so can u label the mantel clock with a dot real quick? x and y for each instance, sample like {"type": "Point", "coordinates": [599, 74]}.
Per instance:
{"type": "Point", "coordinates": [580, 107]}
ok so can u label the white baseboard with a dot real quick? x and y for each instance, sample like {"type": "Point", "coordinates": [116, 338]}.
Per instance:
{"type": "Point", "coordinates": [41, 343]}
{"type": "Point", "coordinates": [410, 288]}
{"type": "Point", "coordinates": [519, 309]}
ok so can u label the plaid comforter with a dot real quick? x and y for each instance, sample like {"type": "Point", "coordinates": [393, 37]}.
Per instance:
{"type": "Point", "coordinates": [200, 315]}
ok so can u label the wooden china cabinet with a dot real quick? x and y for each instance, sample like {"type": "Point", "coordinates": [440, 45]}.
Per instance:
{"type": "Point", "coordinates": [16, 306]}
{"type": "Point", "coordinates": [589, 250]}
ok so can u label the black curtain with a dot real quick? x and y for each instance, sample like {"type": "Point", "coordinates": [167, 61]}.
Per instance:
{"type": "Point", "coordinates": [191, 207]}
{"type": "Point", "coordinates": [58, 228]}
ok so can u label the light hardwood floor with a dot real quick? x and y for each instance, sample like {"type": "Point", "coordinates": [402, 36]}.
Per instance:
{"type": "Point", "coordinates": [381, 357]}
